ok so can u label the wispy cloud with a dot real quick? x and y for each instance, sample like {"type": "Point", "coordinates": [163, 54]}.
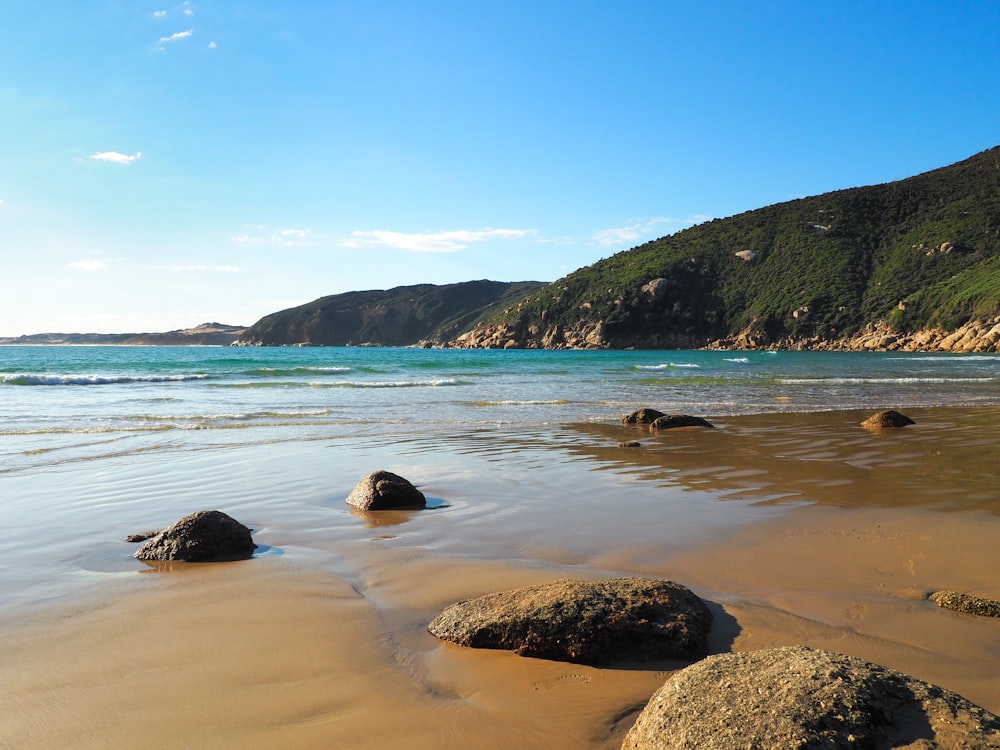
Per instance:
{"type": "Point", "coordinates": [116, 158]}
{"type": "Point", "coordinates": [639, 229]}
{"type": "Point", "coordinates": [213, 45]}
{"type": "Point", "coordinates": [187, 8]}
{"type": "Point", "coordinates": [430, 242]}
{"type": "Point", "coordinates": [90, 264]}
{"type": "Point", "coordinates": [261, 235]}
{"type": "Point", "coordinates": [177, 36]}
{"type": "Point", "coordinates": [159, 14]}
{"type": "Point", "coordinates": [200, 269]}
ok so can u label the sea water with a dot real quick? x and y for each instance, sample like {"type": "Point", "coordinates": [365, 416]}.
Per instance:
{"type": "Point", "coordinates": [518, 450]}
{"type": "Point", "coordinates": [68, 403]}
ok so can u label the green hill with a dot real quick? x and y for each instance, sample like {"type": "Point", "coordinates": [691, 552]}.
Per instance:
{"type": "Point", "coordinates": [922, 252]}
{"type": "Point", "coordinates": [402, 316]}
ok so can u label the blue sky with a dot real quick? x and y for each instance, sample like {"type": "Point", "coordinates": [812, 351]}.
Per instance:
{"type": "Point", "coordinates": [164, 164]}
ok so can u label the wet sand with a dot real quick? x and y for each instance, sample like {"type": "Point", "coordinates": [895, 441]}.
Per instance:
{"type": "Point", "coordinates": [798, 529]}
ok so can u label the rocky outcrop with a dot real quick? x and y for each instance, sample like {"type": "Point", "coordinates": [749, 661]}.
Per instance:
{"type": "Point", "coordinates": [383, 490]}
{"type": "Point", "coordinates": [887, 420]}
{"type": "Point", "coordinates": [974, 336]}
{"type": "Point", "coordinates": [582, 335]}
{"type": "Point", "coordinates": [205, 536]}
{"type": "Point", "coordinates": [671, 421]}
{"type": "Point", "coordinates": [589, 622]}
{"type": "Point", "coordinates": [797, 698]}
{"type": "Point", "coordinates": [973, 605]}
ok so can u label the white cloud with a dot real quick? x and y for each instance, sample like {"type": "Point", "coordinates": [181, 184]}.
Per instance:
{"type": "Point", "coordinates": [200, 269]}
{"type": "Point", "coordinates": [117, 158]}
{"type": "Point", "coordinates": [640, 229]}
{"type": "Point", "coordinates": [159, 14]}
{"type": "Point", "coordinates": [430, 242]}
{"type": "Point", "coordinates": [90, 264]}
{"type": "Point", "coordinates": [177, 36]}
{"type": "Point", "coordinates": [213, 45]}
{"type": "Point", "coordinates": [260, 235]}
{"type": "Point", "coordinates": [187, 8]}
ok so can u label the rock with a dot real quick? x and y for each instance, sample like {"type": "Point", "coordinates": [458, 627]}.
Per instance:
{"type": "Point", "coordinates": [141, 536]}
{"type": "Point", "coordinates": [655, 289]}
{"type": "Point", "coordinates": [797, 698]}
{"type": "Point", "coordinates": [973, 605]}
{"type": "Point", "coordinates": [886, 419]}
{"type": "Point", "coordinates": [383, 490]}
{"type": "Point", "coordinates": [642, 416]}
{"type": "Point", "coordinates": [205, 536]}
{"type": "Point", "coordinates": [629, 444]}
{"type": "Point", "coordinates": [589, 622]}
{"type": "Point", "coordinates": [669, 421]}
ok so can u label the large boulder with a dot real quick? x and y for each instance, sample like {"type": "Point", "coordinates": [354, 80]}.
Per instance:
{"type": "Point", "coordinates": [205, 536]}
{"type": "Point", "coordinates": [796, 698]}
{"type": "Point", "coordinates": [590, 622]}
{"type": "Point", "coordinates": [886, 420]}
{"type": "Point", "coordinates": [383, 490]}
{"type": "Point", "coordinates": [670, 421]}
{"type": "Point", "coordinates": [644, 415]}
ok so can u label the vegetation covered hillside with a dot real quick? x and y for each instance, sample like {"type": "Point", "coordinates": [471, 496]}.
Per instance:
{"type": "Point", "coordinates": [919, 253]}
{"type": "Point", "coordinates": [402, 316]}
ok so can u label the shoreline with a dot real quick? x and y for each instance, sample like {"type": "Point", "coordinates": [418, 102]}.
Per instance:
{"type": "Point", "coordinates": [789, 525]}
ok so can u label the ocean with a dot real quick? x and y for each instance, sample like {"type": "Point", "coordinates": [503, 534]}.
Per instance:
{"type": "Point", "coordinates": [799, 525]}
{"type": "Point", "coordinates": [64, 403]}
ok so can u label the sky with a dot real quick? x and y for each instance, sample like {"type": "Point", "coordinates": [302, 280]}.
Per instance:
{"type": "Point", "coordinates": [166, 164]}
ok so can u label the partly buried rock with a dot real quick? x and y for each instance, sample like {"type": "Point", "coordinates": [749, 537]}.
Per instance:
{"type": "Point", "coordinates": [799, 698]}
{"type": "Point", "coordinates": [205, 536]}
{"type": "Point", "coordinates": [669, 421]}
{"type": "Point", "coordinates": [886, 420]}
{"type": "Point", "coordinates": [973, 605]}
{"type": "Point", "coordinates": [642, 416]}
{"type": "Point", "coordinates": [590, 622]}
{"type": "Point", "coordinates": [383, 490]}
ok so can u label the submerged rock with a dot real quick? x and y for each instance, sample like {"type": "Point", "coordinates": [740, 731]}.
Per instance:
{"type": "Point", "coordinates": [590, 622]}
{"type": "Point", "coordinates": [973, 605]}
{"type": "Point", "coordinates": [886, 420]}
{"type": "Point", "coordinates": [797, 698]}
{"type": "Point", "coordinates": [205, 536]}
{"type": "Point", "coordinates": [383, 490]}
{"type": "Point", "coordinates": [642, 416]}
{"type": "Point", "coordinates": [669, 421]}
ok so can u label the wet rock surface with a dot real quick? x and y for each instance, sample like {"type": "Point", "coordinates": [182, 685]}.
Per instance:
{"type": "Point", "coordinates": [887, 420]}
{"type": "Point", "coordinates": [589, 622]}
{"type": "Point", "coordinates": [642, 416]}
{"type": "Point", "coordinates": [205, 536]}
{"type": "Point", "coordinates": [797, 698]}
{"type": "Point", "coordinates": [973, 605]}
{"type": "Point", "coordinates": [670, 421]}
{"type": "Point", "coordinates": [383, 490]}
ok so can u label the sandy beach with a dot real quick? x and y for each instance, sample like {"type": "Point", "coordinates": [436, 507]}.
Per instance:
{"type": "Point", "coordinates": [796, 529]}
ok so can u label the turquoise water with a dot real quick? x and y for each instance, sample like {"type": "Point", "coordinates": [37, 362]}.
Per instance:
{"type": "Point", "coordinates": [67, 397]}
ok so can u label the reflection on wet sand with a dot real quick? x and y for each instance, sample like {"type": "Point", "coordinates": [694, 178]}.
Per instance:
{"type": "Point", "coordinates": [796, 529]}
{"type": "Point", "coordinates": [948, 459]}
